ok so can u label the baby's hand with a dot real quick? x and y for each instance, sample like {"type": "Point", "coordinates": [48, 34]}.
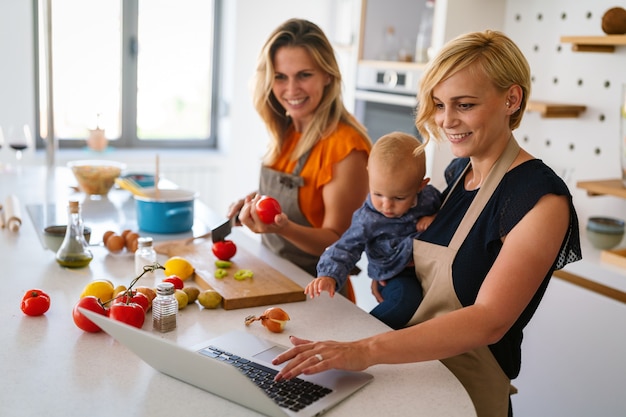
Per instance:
{"type": "Point", "coordinates": [315, 287]}
{"type": "Point", "coordinates": [424, 222]}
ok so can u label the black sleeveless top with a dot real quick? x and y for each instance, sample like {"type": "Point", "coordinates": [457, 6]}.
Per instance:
{"type": "Point", "coordinates": [518, 192]}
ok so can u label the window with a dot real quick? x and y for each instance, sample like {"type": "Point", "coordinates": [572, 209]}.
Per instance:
{"type": "Point", "coordinates": [142, 70]}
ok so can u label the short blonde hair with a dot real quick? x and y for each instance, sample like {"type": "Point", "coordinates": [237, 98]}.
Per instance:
{"type": "Point", "coordinates": [399, 150]}
{"type": "Point", "coordinates": [491, 52]}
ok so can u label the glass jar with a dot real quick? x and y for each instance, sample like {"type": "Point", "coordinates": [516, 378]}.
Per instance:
{"type": "Point", "coordinates": [145, 255]}
{"type": "Point", "coordinates": [74, 251]}
{"type": "Point", "coordinates": [423, 43]}
{"type": "Point", "coordinates": [164, 308]}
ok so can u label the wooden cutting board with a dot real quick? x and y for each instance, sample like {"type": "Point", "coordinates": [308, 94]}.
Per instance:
{"type": "Point", "coordinates": [267, 286]}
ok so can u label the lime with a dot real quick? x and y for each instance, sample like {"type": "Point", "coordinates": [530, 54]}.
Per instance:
{"type": "Point", "coordinates": [179, 266]}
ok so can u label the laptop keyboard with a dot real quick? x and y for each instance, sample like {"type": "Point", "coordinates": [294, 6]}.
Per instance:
{"type": "Point", "coordinates": [294, 394]}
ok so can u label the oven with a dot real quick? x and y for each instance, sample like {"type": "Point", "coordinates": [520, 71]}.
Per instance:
{"type": "Point", "coordinates": [385, 101]}
{"type": "Point", "coordinates": [386, 98]}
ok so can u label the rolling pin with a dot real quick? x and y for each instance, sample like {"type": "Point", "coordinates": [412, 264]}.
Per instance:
{"type": "Point", "coordinates": [13, 217]}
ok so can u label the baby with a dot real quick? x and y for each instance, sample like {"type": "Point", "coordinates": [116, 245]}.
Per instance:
{"type": "Point", "coordinates": [399, 206]}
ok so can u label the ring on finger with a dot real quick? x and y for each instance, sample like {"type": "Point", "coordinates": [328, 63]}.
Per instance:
{"type": "Point", "coordinates": [319, 357]}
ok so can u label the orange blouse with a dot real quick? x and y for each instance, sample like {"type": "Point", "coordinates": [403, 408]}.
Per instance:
{"type": "Point", "coordinates": [318, 170]}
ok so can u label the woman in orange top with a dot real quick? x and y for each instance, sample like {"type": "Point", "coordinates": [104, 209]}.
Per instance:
{"type": "Point", "coordinates": [316, 163]}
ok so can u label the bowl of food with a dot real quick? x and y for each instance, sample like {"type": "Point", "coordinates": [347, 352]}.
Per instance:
{"type": "Point", "coordinates": [605, 232]}
{"type": "Point", "coordinates": [53, 236]}
{"type": "Point", "coordinates": [96, 177]}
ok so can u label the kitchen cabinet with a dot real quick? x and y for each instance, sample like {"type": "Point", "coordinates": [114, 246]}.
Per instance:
{"type": "Point", "coordinates": [451, 18]}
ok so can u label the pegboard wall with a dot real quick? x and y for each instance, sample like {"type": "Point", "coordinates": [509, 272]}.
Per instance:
{"type": "Point", "coordinates": [584, 148]}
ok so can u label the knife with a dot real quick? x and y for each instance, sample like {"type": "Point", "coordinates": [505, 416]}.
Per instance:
{"type": "Point", "coordinates": [219, 232]}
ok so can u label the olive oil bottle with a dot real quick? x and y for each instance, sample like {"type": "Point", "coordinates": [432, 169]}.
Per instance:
{"type": "Point", "coordinates": [74, 251]}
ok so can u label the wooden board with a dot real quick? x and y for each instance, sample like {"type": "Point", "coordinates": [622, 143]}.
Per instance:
{"type": "Point", "coordinates": [267, 287]}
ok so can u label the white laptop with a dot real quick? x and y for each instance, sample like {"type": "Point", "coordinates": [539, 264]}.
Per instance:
{"type": "Point", "coordinates": [218, 366]}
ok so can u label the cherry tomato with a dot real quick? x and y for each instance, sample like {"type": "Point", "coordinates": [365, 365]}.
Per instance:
{"type": "Point", "coordinates": [176, 280]}
{"type": "Point", "coordinates": [35, 302]}
{"type": "Point", "coordinates": [131, 313]}
{"type": "Point", "coordinates": [267, 208]}
{"type": "Point", "coordinates": [224, 250]}
{"type": "Point", "coordinates": [134, 297]}
{"type": "Point", "coordinates": [90, 303]}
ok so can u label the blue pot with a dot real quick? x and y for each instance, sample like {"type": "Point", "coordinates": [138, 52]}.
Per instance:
{"type": "Point", "coordinates": [171, 212]}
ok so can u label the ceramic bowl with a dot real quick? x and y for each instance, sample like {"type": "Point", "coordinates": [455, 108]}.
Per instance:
{"type": "Point", "coordinates": [96, 177]}
{"type": "Point", "coordinates": [53, 236]}
{"type": "Point", "coordinates": [605, 232]}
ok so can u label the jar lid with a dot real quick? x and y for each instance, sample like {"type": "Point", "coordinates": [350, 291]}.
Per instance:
{"type": "Point", "coordinates": [144, 242]}
{"type": "Point", "coordinates": [165, 288]}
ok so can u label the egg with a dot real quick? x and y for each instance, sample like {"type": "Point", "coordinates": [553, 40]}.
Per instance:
{"type": "Point", "coordinates": [107, 235]}
{"type": "Point", "coordinates": [115, 243]}
{"type": "Point", "coordinates": [131, 241]}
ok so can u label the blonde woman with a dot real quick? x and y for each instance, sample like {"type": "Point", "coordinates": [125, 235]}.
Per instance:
{"type": "Point", "coordinates": [316, 163]}
{"type": "Point", "coordinates": [506, 223]}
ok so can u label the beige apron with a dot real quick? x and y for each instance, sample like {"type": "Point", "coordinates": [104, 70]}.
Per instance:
{"type": "Point", "coordinates": [284, 187]}
{"type": "Point", "coordinates": [479, 372]}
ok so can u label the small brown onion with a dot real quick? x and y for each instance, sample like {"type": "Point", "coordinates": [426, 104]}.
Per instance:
{"type": "Point", "coordinates": [274, 319]}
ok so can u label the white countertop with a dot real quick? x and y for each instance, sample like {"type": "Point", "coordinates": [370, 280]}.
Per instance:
{"type": "Point", "coordinates": [48, 366]}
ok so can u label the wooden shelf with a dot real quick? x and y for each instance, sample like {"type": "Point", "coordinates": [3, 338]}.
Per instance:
{"type": "Point", "coordinates": [613, 187]}
{"type": "Point", "coordinates": [554, 110]}
{"type": "Point", "coordinates": [605, 43]}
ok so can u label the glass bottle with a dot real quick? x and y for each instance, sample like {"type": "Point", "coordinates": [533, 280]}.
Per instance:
{"type": "Point", "coordinates": [164, 308]}
{"type": "Point", "coordinates": [423, 43]}
{"type": "Point", "coordinates": [145, 255]}
{"type": "Point", "coordinates": [391, 45]}
{"type": "Point", "coordinates": [74, 251]}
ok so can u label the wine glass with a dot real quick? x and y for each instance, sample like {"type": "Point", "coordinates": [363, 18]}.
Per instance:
{"type": "Point", "coordinates": [19, 138]}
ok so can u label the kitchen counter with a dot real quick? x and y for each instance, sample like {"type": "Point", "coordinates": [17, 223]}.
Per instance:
{"type": "Point", "coordinates": [51, 367]}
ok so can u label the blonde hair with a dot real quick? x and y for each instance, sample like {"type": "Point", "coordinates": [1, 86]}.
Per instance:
{"type": "Point", "coordinates": [491, 52]}
{"type": "Point", "coordinates": [331, 111]}
{"type": "Point", "coordinates": [399, 150]}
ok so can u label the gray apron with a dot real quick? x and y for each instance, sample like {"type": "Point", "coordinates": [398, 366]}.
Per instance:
{"type": "Point", "coordinates": [284, 188]}
{"type": "Point", "coordinates": [478, 371]}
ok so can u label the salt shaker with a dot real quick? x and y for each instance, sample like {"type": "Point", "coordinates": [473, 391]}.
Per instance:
{"type": "Point", "coordinates": [164, 308]}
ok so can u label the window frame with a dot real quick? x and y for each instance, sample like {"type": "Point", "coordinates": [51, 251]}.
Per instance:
{"type": "Point", "coordinates": [129, 38]}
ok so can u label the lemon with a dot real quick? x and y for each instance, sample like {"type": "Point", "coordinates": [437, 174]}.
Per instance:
{"type": "Point", "coordinates": [179, 266]}
{"type": "Point", "coordinates": [100, 288]}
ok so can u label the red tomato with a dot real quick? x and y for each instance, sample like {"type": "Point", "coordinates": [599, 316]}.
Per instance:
{"type": "Point", "coordinates": [224, 250]}
{"type": "Point", "coordinates": [35, 302]}
{"type": "Point", "coordinates": [131, 313]}
{"type": "Point", "coordinates": [90, 303]}
{"type": "Point", "coordinates": [267, 208]}
{"type": "Point", "coordinates": [134, 297]}
{"type": "Point", "coordinates": [176, 280]}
